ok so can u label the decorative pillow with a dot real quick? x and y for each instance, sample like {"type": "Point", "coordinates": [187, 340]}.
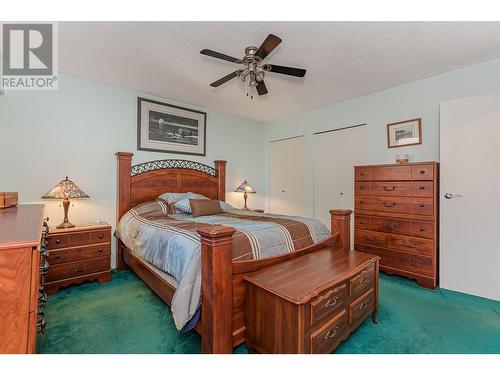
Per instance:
{"type": "Point", "coordinates": [171, 198]}
{"type": "Point", "coordinates": [204, 207]}
{"type": "Point", "coordinates": [183, 205]}
{"type": "Point", "coordinates": [225, 206]}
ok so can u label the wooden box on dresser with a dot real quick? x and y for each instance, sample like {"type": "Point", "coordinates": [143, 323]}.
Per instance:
{"type": "Point", "coordinates": [22, 263]}
{"type": "Point", "coordinates": [396, 210]}
{"type": "Point", "coordinates": [78, 254]}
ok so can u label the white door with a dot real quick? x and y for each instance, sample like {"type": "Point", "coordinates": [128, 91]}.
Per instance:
{"type": "Point", "coordinates": [470, 176]}
{"type": "Point", "coordinates": [335, 154]}
{"type": "Point", "coordinates": [287, 176]}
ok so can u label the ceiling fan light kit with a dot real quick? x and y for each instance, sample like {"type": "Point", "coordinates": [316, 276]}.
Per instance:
{"type": "Point", "coordinates": [253, 68]}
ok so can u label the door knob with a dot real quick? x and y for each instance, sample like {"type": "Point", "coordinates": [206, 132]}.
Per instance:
{"type": "Point", "coordinates": [450, 195]}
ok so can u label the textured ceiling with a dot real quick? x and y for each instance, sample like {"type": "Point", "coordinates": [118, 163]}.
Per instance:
{"type": "Point", "coordinates": [343, 59]}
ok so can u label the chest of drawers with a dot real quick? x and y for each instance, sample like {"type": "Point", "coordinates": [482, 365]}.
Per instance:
{"type": "Point", "coordinates": [396, 211]}
{"type": "Point", "coordinates": [78, 254]}
{"type": "Point", "coordinates": [310, 304]}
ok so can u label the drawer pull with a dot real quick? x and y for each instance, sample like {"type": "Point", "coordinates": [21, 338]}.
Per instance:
{"type": "Point", "coordinates": [363, 306]}
{"type": "Point", "coordinates": [361, 202]}
{"type": "Point", "coordinates": [363, 281]}
{"type": "Point", "coordinates": [415, 263]}
{"type": "Point", "coordinates": [422, 171]}
{"type": "Point", "coordinates": [80, 269]}
{"type": "Point", "coordinates": [101, 250]}
{"type": "Point", "coordinates": [409, 244]}
{"type": "Point", "coordinates": [389, 226]}
{"type": "Point", "coordinates": [58, 256]}
{"type": "Point", "coordinates": [331, 333]}
{"type": "Point", "coordinates": [331, 302]}
{"type": "Point", "coordinates": [389, 204]}
{"type": "Point", "coordinates": [58, 241]}
{"type": "Point", "coordinates": [389, 188]}
{"type": "Point", "coordinates": [362, 174]}
{"type": "Point", "coordinates": [422, 187]}
{"type": "Point", "coordinates": [362, 187]}
{"type": "Point", "coordinates": [422, 205]}
{"type": "Point", "coordinates": [370, 238]}
{"type": "Point", "coordinates": [101, 236]}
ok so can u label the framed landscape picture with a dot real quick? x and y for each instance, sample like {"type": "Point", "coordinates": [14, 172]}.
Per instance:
{"type": "Point", "coordinates": [404, 133]}
{"type": "Point", "coordinates": [168, 128]}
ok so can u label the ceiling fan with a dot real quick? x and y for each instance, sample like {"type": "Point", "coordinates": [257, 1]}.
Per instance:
{"type": "Point", "coordinates": [253, 68]}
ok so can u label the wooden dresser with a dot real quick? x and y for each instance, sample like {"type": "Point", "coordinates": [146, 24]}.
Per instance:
{"type": "Point", "coordinates": [312, 303]}
{"type": "Point", "coordinates": [396, 217]}
{"type": "Point", "coordinates": [22, 260]}
{"type": "Point", "coordinates": [78, 254]}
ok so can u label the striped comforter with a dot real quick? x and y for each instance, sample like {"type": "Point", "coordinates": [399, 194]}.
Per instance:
{"type": "Point", "coordinates": [171, 243]}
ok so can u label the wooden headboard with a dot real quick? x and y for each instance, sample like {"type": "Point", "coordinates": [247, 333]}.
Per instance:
{"type": "Point", "coordinates": [144, 182]}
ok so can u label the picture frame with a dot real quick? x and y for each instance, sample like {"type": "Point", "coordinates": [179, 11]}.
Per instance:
{"type": "Point", "coordinates": [404, 133]}
{"type": "Point", "coordinates": [163, 127]}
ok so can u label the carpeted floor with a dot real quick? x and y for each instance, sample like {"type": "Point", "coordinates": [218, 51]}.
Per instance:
{"type": "Point", "coordinates": [124, 316]}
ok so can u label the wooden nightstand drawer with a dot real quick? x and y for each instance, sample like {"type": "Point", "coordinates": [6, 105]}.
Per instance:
{"type": "Point", "coordinates": [79, 239]}
{"type": "Point", "coordinates": [362, 282]}
{"type": "Point", "coordinates": [327, 303]}
{"type": "Point", "coordinates": [361, 308]}
{"type": "Point", "coordinates": [58, 256]}
{"type": "Point", "coordinates": [327, 338]}
{"type": "Point", "coordinates": [89, 252]}
{"type": "Point", "coordinates": [79, 268]}
{"type": "Point", "coordinates": [100, 236]}
{"type": "Point", "coordinates": [58, 241]}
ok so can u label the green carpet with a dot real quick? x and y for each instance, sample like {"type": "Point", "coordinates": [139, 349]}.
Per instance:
{"type": "Point", "coordinates": [124, 316]}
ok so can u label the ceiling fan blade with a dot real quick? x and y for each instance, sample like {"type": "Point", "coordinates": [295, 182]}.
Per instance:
{"type": "Point", "coordinates": [271, 42]}
{"type": "Point", "coordinates": [261, 88]}
{"type": "Point", "coordinates": [296, 72]}
{"type": "Point", "coordinates": [224, 79]}
{"type": "Point", "coordinates": [219, 55]}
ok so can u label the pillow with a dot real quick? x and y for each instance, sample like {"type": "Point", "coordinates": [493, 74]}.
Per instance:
{"type": "Point", "coordinates": [225, 206]}
{"type": "Point", "coordinates": [204, 207]}
{"type": "Point", "coordinates": [183, 205]}
{"type": "Point", "coordinates": [172, 197]}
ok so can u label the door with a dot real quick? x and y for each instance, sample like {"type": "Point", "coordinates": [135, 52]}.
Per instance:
{"type": "Point", "coordinates": [335, 155]}
{"type": "Point", "coordinates": [470, 178]}
{"type": "Point", "coordinates": [287, 176]}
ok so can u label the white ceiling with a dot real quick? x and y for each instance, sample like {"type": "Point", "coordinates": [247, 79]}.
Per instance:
{"type": "Point", "coordinates": [343, 59]}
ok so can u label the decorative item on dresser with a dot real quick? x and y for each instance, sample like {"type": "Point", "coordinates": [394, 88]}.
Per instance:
{"type": "Point", "coordinates": [78, 254]}
{"type": "Point", "coordinates": [397, 216]}
{"type": "Point", "coordinates": [312, 303]}
{"type": "Point", "coordinates": [245, 188]}
{"type": "Point", "coordinates": [22, 266]}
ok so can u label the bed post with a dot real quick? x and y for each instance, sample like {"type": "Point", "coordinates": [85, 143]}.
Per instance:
{"type": "Point", "coordinates": [124, 167]}
{"type": "Point", "coordinates": [220, 167]}
{"type": "Point", "coordinates": [216, 289]}
{"type": "Point", "coordinates": [341, 223]}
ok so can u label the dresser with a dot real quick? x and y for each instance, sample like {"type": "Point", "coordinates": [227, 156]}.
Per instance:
{"type": "Point", "coordinates": [78, 254]}
{"type": "Point", "coordinates": [22, 266]}
{"type": "Point", "coordinates": [396, 211]}
{"type": "Point", "coordinates": [310, 304]}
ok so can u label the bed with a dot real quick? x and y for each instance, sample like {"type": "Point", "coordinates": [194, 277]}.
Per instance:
{"type": "Point", "coordinates": [222, 291]}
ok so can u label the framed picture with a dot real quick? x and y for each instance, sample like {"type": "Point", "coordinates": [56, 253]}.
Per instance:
{"type": "Point", "coordinates": [168, 128]}
{"type": "Point", "coordinates": [404, 133]}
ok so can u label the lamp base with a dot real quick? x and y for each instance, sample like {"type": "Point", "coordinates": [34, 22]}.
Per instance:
{"type": "Point", "coordinates": [65, 224]}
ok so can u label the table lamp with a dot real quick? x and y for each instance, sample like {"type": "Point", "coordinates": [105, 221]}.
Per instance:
{"type": "Point", "coordinates": [65, 190]}
{"type": "Point", "coordinates": [245, 188]}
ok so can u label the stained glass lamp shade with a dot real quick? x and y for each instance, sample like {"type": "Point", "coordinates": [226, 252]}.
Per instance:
{"type": "Point", "coordinates": [245, 188]}
{"type": "Point", "coordinates": [65, 190]}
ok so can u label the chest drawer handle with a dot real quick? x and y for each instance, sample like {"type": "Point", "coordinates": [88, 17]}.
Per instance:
{"type": "Point", "coordinates": [422, 187]}
{"type": "Point", "coordinates": [331, 302]}
{"type": "Point", "coordinates": [415, 263]}
{"type": "Point", "coordinates": [362, 187]}
{"type": "Point", "coordinates": [422, 171]}
{"type": "Point", "coordinates": [362, 174]}
{"type": "Point", "coordinates": [80, 269]}
{"type": "Point", "coordinates": [370, 238]}
{"type": "Point", "coordinates": [58, 256]}
{"type": "Point", "coordinates": [389, 226]}
{"type": "Point", "coordinates": [389, 188]}
{"type": "Point", "coordinates": [331, 333]}
{"type": "Point", "coordinates": [101, 250]}
{"type": "Point", "coordinates": [363, 306]}
{"type": "Point", "coordinates": [410, 244]}
{"type": "Point", "coordinates": [389, 204]}
{"type": "Point", "coordinates": [422, 205]}
{"type": "Point", "coordinates": [58, 241]}
{"type": "Point", "coordinates": [101, 236]}
{"type": "Point", "coordinates": [363, 281]}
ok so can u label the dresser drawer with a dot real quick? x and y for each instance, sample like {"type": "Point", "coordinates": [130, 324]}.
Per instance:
{"type": "Point", "coordinates": [362, 282]}
{"type": "Point", "coordinates": [362, 173]}
{"type": "Point", "coordinates": [327, 303]}
{"type": "Point", "coordinates": [422, 206]}
{"type": "Point", "coordinates": [361, 308]}
{"type": "Point", "coordinates": [79, 239]}
{"type": "Point", "coordinates": [371, 238]}
{"type": "Point", "coordinates": [422, 172]}
{"type": "Point", "coordinates": [325, 339]}
{"type": "Point", "coordinates": [79, 268]}
{"type": "Point", "coordinates": [100, 236]}
{"type": "Point", "coordinates": [390, 188]}
{"type": "Point", "coordinates": [422, 229]}
{"type": "Point", "coordinates": [389, 225]}
{"type": "Point", "coordinates": [393, 173]}
{"type": "Point", "coordinates": [87, 252]}
{"type": "Point", "coordinates": [362, 222]}
{"type": "Point", "coordinates": [58, 256]}
{"type": "Point", "coordinates": [384, 204]}
{"type": "Point", "coordinates": [422, 189]}
{"type": "Point", "coordinates": [362, 188]}
{"type": "Point", "coordinates": [58, 241]}
{"type": "Point", "coordinates": [412, 244]}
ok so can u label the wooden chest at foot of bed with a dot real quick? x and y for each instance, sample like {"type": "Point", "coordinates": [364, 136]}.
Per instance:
{"type": "Point", "coordinates": [78, 254]}
{"type": "Point", "coordinates": [312, 303]}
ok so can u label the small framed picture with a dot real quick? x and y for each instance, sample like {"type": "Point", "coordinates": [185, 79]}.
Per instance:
{"type": "Point", "coordinates": [404, 133]}
{"type": "Point", "coordinates": [168, 128]}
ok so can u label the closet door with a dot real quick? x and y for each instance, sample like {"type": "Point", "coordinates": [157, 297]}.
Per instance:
{"type": "Point", "coordinates": [335, 154]}
{"type": "Point", "coordinates": [470, 197]}
{"type": "Point", "coordinates": [287, 176]}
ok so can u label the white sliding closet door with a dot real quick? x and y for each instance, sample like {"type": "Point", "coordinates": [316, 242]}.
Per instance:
{"type": "Point", "coordinates": [469, 256]}
{"type": "Point", "coordinates": [335, 154]}
{"type": "Point", "coordinates": [287, 176]}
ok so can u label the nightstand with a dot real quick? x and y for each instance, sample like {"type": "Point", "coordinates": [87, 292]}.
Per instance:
{"type": "Point", "coordinates": [78, 254]}
{"type": "Point", "coordinates": [260, 210]}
